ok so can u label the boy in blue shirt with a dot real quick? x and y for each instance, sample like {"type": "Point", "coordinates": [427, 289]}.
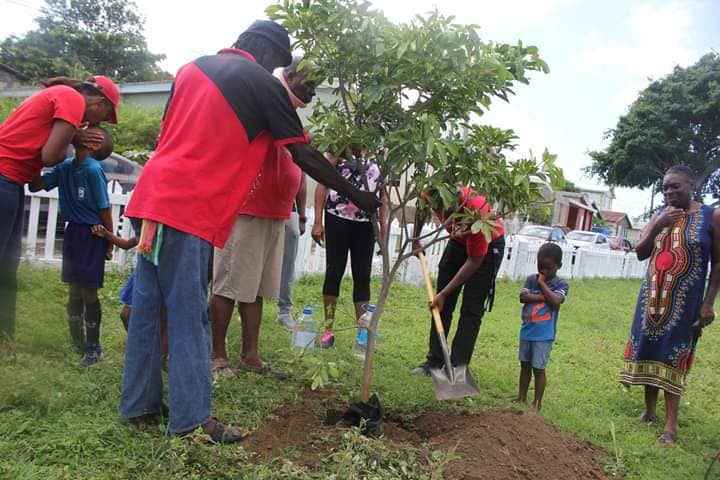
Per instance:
{"type": "Point", "coordinates": [541, 297]}
{"type": "Point", "coordinates": [84, 202]}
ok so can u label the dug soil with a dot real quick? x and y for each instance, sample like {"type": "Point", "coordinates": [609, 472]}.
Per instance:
{"type": "Point", "coordinates": [495, 444]}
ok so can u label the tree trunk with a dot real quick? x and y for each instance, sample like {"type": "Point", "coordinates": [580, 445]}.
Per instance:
{"type": "Point", "coordinates": [372, 329]}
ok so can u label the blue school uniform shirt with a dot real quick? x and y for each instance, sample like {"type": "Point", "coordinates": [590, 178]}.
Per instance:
{"type": "Point", "coordinates": [539, 321]}
{"type": "Point", "coordinates": [82, 190]}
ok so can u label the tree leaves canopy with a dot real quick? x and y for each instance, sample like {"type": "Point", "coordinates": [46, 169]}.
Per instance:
{"type": "Point", "coordinates": [675, 120]}
{"type": "Point", "coordinates": [82, 37]}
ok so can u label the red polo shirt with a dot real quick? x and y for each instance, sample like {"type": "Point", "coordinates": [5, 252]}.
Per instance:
{"type": "Point", "coordinates": [475, 244]}
{"type": "Point", "coordinates": [274, 191]}
{"type": "Point", "coordinates": [24, 133]}
{"type": "Point", "coordinates": [224, 116]}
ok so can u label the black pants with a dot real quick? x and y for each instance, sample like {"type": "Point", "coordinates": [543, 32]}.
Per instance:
{"type": "Point", "coordinates": [342, 237]}
{"type": "Point", "coordinates": [475, 293]}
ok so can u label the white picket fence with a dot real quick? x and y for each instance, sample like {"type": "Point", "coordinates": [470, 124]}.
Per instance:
{"type": "Point", "coordinates": [41, 241]}
{"type": "Point", "coordinates": [520, 259]}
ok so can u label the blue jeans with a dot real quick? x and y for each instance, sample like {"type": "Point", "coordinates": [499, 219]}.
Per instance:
{"type": "Point", "coordinates": [180, 282]}
{"type": "Point", "coordinates": [12, 210]}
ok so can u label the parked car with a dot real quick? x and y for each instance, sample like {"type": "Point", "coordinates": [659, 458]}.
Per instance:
{"type": "Point", "coordinates": [620, 243]}
{"type": "Point", "coordinates": [541, 234]}
{"type": "Point", "coordinates": [584, 239]}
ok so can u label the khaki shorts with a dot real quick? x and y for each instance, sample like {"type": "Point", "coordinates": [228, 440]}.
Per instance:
{"type": "Point", "coordinates": [250, 265]}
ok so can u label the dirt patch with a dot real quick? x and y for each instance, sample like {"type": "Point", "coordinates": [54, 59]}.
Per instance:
{"type": "Point", "coordinates": [490, 445]}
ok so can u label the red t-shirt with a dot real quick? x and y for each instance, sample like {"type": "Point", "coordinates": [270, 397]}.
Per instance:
{"type": "Point", "coordinates": [24, 133]}
{"type": "Point", "coordinates": [224, 115]}
{"type": "Point", "coordinates": [475, 244]}
{"type": "Point", "coordinates": [274, 191]}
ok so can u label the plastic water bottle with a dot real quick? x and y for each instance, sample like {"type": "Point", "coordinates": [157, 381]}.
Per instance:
{"type": "Point", "coordinates": [360, 346]}
{"type": "Point", "coordinates": [305, 330]}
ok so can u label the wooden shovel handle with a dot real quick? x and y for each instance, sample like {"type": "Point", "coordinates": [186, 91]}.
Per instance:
{"type": "Point", "coordinates": [431, 294]}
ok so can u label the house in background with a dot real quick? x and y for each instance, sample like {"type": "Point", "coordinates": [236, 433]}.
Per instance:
{"type": "Point", "coordinates": [9, 77]}
{"type": "Point", "coordinates": [618, 222]}
{"type": "Point", "coordinates": [603, 199]}
{"type": "Point", "coordinates": [573, 210]}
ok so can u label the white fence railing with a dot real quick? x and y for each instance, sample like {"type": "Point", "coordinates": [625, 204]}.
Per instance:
{"type": "Point", "coordinates": [43, 238]}
{"type": "Point", "coordinates": [42, 243]}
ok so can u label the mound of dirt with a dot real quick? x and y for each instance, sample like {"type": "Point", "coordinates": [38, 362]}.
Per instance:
{"type": "Point", "coordinates": [490, 445]}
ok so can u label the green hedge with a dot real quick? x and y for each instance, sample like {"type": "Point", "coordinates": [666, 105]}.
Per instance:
{"type": "Point", "coordinates": [134, 136]}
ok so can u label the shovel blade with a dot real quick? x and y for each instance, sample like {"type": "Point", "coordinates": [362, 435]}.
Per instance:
{"type": "Point", "coordinates": [461, 386]}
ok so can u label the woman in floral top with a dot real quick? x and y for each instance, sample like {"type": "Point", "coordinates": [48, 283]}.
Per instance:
{"type": "Point", "coordinates": [348, 229]}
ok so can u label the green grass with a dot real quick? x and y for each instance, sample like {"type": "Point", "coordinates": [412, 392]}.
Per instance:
{"type": "Point", "coordinates": [60, 421]}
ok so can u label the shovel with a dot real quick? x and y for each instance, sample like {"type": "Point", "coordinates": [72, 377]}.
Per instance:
{"type": "Point", "coordinates": [449, 382]}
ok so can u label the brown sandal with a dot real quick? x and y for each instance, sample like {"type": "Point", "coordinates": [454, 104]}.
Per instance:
{"type": "Point", "coordinates": [262, 369]}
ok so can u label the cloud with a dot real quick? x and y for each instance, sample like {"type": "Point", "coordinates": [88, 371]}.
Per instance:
{"type": "Point", "coordinates": [657, 38]}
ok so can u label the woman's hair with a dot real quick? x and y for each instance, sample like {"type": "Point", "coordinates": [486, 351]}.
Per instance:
{"type": "Point", "coordinates": [551, 251]}
{"type": "Point", "coordinates": [79, 85]}
{"type": "Point", "coordinates": [682, 170]}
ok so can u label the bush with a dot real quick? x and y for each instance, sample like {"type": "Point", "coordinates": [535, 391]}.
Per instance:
{"type": "Point", "coordinates": [135, 134]}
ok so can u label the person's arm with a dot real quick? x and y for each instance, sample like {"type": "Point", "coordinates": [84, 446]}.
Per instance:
{"type": "Point", "coordinates": [472, 263]}
{"type": "Point", "coordinates": [667, 217]}
{"type": "Point", "coordinates": [314, 164]}
{"type": "Point", "coordinates": [707, 313]}
{"type": "Point", "coordinates": [301, 201]}
{"type": "Point", "coordinates": [527, 297]}
{"type": "Point", "coordinates": [55, 148]}
{"type": "Point", "coordinates": [107, 223]}
{"type": "Point", "coordinates": [36, 184]}
{"type": "Point", "coordinates": [321, 192]}
{"type": "Point", "coordinates": [552, 299]}
{"type": "Point", "coordinates": [124, 243]}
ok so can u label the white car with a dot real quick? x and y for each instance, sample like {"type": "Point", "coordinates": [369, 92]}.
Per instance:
{"type": "Point", "coordinates": [541, 234]}
{"type": "Point", "coordinates": [584, 239]}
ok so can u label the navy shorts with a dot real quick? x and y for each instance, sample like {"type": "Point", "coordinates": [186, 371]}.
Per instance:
{"type": "Point", "coordinates": [127, 290]}
{"type": "Point", "coordinates": [83, 260]}
{"type": "Point", "coordinates": [537, 353]}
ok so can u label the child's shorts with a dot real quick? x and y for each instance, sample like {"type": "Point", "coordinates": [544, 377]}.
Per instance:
{"type": "Point", "coordinates": [83, 259]}
{"type": "Point", "coordinates": [537, 353]}
{"type": "Point", "coordinates": [127, 290]}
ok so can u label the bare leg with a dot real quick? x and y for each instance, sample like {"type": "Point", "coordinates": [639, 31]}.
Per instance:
{"type": "Point", "coordinates": [672, 406]}
{"type": "Point", "coordinates": [251, 316]}
{"type": "Point", "coordinates": [651, 397]}
{"type": "Point", "coordinates": [525, 374]}
{"type": "Point", "coordinates": [540, 382]}
{"type": "Point", "coordinates": [221, 310]}
{"type": "Point", "coordinates": [330, 304]}
{"type": "Point", "coordinates": [125, 316]}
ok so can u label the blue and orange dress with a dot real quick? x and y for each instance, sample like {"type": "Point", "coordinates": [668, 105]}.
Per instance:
{"type": "Point", "coordinates": [661, 348]}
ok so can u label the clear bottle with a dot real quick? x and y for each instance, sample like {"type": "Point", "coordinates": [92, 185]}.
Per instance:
{"type": "Point", "coordinates": [360, 346]}
{"type": "Point", "coordinates": [305, 331]}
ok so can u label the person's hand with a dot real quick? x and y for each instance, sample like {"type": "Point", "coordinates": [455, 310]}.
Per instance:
{"type": "Point", "coordinates": [669, 216]}
{"type": "Point", "coordinates": [109, 253]}
{"type": "Point", "coordinates": [707, 315]}
{"type": "Point", "coordinates": [99, 231]}
{"type": "Point", "coordinates": [541, 277]}
{"type": "Point", "coordinates": [366, 201]}
{"type": "Point", "coordinates": [90, 139]}
{"type": "Point", "coordinates": [302, 223]}
{"type": "Point", "coordinates": [318, 234]}
{"type": "Point", "coordinates": [417, 248]}
{"type": "Point", "coordinates": [438, 301]}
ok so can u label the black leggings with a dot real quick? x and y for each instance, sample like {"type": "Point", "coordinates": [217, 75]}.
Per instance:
{"type": "Point", "coordinates": [343, 236]}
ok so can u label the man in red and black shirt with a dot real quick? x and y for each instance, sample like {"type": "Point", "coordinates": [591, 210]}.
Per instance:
{"type": "Point", "coordinates": [468, 264]}
{"type": "Point", "coordinates": [225, 113]}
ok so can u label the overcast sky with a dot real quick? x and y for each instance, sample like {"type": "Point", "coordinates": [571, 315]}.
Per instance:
{"type": "Point", "coordinates": [601, 53]}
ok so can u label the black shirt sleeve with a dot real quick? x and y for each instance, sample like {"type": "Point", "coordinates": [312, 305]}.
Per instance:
{"type": "Point", "coordinates": [280, 117]}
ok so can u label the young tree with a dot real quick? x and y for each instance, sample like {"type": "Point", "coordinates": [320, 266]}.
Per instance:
{"type": "Point", "coordinates": [409, 93]}
{"type": "Point", "coordinates": [675, 120]}
{"type": "Point", "coordinates": [79, 37]}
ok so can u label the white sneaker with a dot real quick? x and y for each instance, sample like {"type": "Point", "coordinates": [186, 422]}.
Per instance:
{"type": "Point", "coordinates": [287, 321]}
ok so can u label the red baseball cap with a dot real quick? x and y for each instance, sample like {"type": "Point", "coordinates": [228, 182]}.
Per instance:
{"type": "Point", "coordinates": [109, 90]}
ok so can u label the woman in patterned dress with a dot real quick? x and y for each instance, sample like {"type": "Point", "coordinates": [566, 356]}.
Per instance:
{"type": "Point", "coordinates": [673, 305]}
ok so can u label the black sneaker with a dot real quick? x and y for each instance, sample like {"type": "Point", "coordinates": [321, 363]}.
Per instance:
{"type": "Point", "coordinates": [422, 369]}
